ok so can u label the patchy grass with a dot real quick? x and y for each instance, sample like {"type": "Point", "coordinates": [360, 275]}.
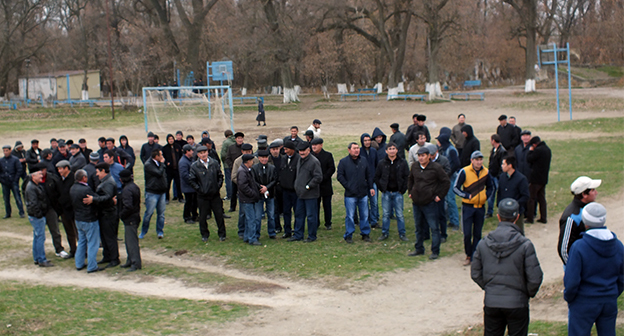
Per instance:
{"type": "Point", "coordinates": [612, 71]}
{"type": "Point", "coordinates": [578, 104]}
{"type": "Point", "coordinates": [602, 125]}
{"type": "Point", "coordinates": [42, 310]}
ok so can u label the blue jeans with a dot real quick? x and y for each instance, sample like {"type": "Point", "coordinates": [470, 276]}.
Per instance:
{"type": "Point", "coordinates": [429, 213]}
{"type": "Point", "coordinates": [38, 225]}
{"type": "Point", "coordinates": [373, 210]}
{"type": "Point", "coordinates": [290, 206]}
{"type": "Point", "coordinates": [270, 211]}
{"type": "Point", "coordinates": [472, 223]}
{"type": "Point", "coordinates": [154, 202]}
{"type": "Point", "coordinates": [228, 182]}
{"type": "Point", "coordinates": [306, 208]}
{"type": "Point", "coordinates": [6, 193]}
{"type": "Point", "coordinates": [451, 205]}
{"type": "Point", "coordinates": [490, 200]}
{"type": "Point", "coordinates": [362, 205]}
{"type": "Point", "coordinates": [392, 200]}
{"type": "Point", "coordinates": [252, 222]}
{"type": "Point", "coordinates": [89, 243]}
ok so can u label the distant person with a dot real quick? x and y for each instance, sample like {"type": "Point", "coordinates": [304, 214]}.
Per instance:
{"type": "Point", "coordinates": [369, 154]}
{"type": "Point", "coordinates": [539, 157]}
{"type": "Point", "coordinates": [234, 151]}
{"type": "Point", "coordinates": [512, 121]}
{"type": "Point", "coordinates": [379, 143]}
{"type": "Point", "coordinates": [125, 146]}
{"type": "Point", "coordinates": [505, 265]}
{"type": "Point", "coordinates": [507, 133]}
{"type": "Point", "coordinates": [77, 160]}
{"type": "Point", "coordinates": [130, 215]}
{"type": "Point", "coordinates": [399, 140]}
{"type": "Point", "coordinates": [246, 148]}
{"type": "Point", "coordinates": [287, 175]}
{"type": "Point", "coordinates": [594, 276]}
{"type": "Point", "coordinates": [514, 185]}
{"type": "Point", "coordinates": [265, 175]}
{"type": "Point", "coordinates": [36, 204]}
{"type": "Point", "coordinates": [315, 128]}
{"type": "Point", "coordinates": [10, 173]}
{"type": "Point", "coordinates": [261, 115]}
{"type": "Point", "coordinates": [457, 136]}
{"type": "Point", "coordinates": [471, 144]}
{"type": "Point", "coordinates": [172, 154]}
{"type": "Point", "coordinates": [20, 154]}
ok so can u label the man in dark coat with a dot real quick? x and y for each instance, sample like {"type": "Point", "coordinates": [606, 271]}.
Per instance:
{"type": "Point", "coordinates": [172, 154]}
{"type": "Point", "coordinates": [206, 178]}
{"type": "Point", "coordinates": [539, 157]}
{"type": "Point", "coordinates": [233, 152]}
{"type": "Point", "coordinates": [418, 126]}
{"type": "Point", "coordinates": [249, 194]}
{"type": "Point", "coordinates": [505, 265]}
{"type": "Point", "coordinates": [471, 144]}
{"type": "Point", "coordinates": [294, 136]}
{"type": "Point", "coordinates": [20, 154]}
{"type": "Point", "coordinates": [328, 167]}
{"type": "Point", "coordinates": [307, 187]}
{"type": "Point", "coordinates": [399, 140]}
{"type": "Point", "coordinates": [517, 129]}
{"type": "Point", "coordinates": [369, 154]}
{"type": "Point", "coordinates": [77, 160]}
{"type": "Point", "coordinates": [52, 185]}
{"type": "Point", "coordinates": [287, 174]}
{"type": "Point", "coordinates": [10, 173]}
{"type": "Point", "coordinates": [86, 224]}
{"type": "Point", "coordinates": [265, 175]}
{"type": "Point", "coordinates": [36, 204]}
{"type": "Point", "coordinates": [261, 117]}
{"type": "Point", "coordinates": [496, 159]}
{"type": "Point", "coordinates": [67, 213]}
{"type": "Point", "coordinates": [148, 147]}
{"type": "Point", "coordinates": [379, 143]}
{"type": "Point", "coordinates": [33, 155]}
{"type": "Point", "coordinates": [155, 189]}
{"type": "Point", "coordinates": [62, 154]}
{"type": "Point", "coordinates": [275, 149]}
{"type": "Point", "coordinates": [83, 149]}
{"type": "Point", "coordinates": [130, 215]}
{"type": "Point", "coordinates": [514, 185]}
{"type": "Point", "coordinates": [507, 133]}
{"type": "Point", "coordinates": [521, 152]}
{"type": "Point", "coordinates": [189, 214]}
{"type": "Point", "coordinates": [391, 179]}
{"type": "Point", "coordinates": [92, 178]}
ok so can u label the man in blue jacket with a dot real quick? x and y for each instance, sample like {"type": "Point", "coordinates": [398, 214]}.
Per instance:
{"type": "Point", "coordinates": [356, 178]}
{"type": "Point", "coordinates": [594, 276]}
{"type": "Point", "coordinates": [10, 172]}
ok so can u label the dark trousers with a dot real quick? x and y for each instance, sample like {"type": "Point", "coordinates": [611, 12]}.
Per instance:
{"type": "Point", "coordinates": [206, 205]}
{"type": "Point", "coordinates": [290, 207]}
{"type": "Point", "coordinates": [110, 248]}
{"type": "Point", "coordinates": [190, 207]}
{"type": "Point", "coordinates": [442, 218]}
{"type": "Point", "coordinates": [279, 205]}
{"type": "Point", "coordinates": [6, 193]}
{"type": "Point", "coordinates": [131, 239]}
{"type": "Point", "coordinates": [583, 315]}
{"type": "Point", "coordinates": [496, 320]}
{"type": "Point", "coordinates": [70, 231]}
{"type": "Point", "coordinates": [306, 209]}
{"type": "Point", "coordinates": [472, 223]}
{"type": "Point", "coordinates": [52, 223]}
{"type": "Point", "coordinates": [537, 193]}
{"type": "Point", "coordinates": [327, 209]}
{"type": "Point", "coordinates": [173, 175]}
{"type": "Point", "coordinates": [234, 196]}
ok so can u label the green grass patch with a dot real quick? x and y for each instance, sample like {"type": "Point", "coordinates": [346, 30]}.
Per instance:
{"type": "Point", "coordinates": [578, 104]}
{"type": "Point", "coordinates": [603, 125]}
{"type": "Point", "coordinates": [42, 310]}
{"type": "Point", "coordinates": [612, 71]}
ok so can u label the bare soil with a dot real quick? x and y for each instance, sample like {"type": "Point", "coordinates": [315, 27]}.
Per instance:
{"type": "Point", "coordinates": [434, 298]}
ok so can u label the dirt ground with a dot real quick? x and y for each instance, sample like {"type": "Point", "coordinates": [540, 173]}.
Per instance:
{"type": "Point", "coordinates": [435, 298]}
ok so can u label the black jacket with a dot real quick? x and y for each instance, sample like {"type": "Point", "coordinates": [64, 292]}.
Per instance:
{"type": "Point", "coordinates": [233, 152]}
{"type": "Point", "coordinates": [130, 203]}
{"type": "Point", "coordinates": [10, 170]}
{"type": "Point", "coordinates": [53, 188]}
{"type": "Point", "coordinates": [32, 157]}
{"type": "Point", "coordinates": [206, 182]}
{"type": "Point", "coordinates": [355, 177]}
{"type": "Point", "coordinates": [539, 159]}
{"type": "Point", "coordinates": [516, 187]}
{"type": "Point", "coordinates": [58, 157]}
{"type": "Point", "coordinates": [410, 134]}
{"type": "Point", "coordinates": [65, 198]}
{"type": "Point", "coordinates": [399, 140]}
{"type": "Point", "coordinates": [508, 135]}
{"type": "Point", "coordinates": [82, 212]}
{"type": "Point", "coordinates": [93, 180]}
{"type": "Point", "coordinates": [36, 200]}
{"type": "Point", "coordinates": [86, 153]}
{"type": "Point", "coordinates": [425, 184]}
{"type": "Point", "coordinates": [521, 153]}
{"type": "Point", "coordinates": [288, 172]}
{"type": "Point", "coordinates": [297, 140]}
{"type": "Point", "coordinates": [172, 155]}
{"type": "Point", "coordinates": [308, 174]}
{"type": "Point", "coordinates": [570, 228]}
{"type": "Point", "coordinates": [265, 175]}
{"type": "Point", "coordinates": [328, 167]}
{"type": "Point", "coordinates": [147, 149]}
{"type": "Point", "coordinates": [248, 189]}
{"type": "Point", "coordinates": [506, 267]}
{"type": "Point", "coordinates": [496, 159]}
{"type": "Point", "coordinates": [105, 191]}
{"type": "Point", "coordinates": [382, 174]}
{"type": "Point", "coordinates": [155, 177]}
{"type": "Point", "coordinates": [123, 158]}
{"type": "Point", "coordinates": [470, 145]}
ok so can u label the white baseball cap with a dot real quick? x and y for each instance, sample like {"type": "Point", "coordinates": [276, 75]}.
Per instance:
{"type": "Point", "coordinates": [583, 183]}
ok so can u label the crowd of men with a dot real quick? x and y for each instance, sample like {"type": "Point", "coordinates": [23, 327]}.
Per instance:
{"type": "Point", "coordinates": [92, 190]}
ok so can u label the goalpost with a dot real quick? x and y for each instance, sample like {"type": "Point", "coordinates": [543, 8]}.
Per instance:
{"type": "Point", "coordinates": [192, 108]}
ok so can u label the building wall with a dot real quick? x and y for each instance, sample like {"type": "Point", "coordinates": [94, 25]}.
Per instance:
{"type": "Point", "coordinates": [37, 88]}
{"type": "Point", "coordinates": [75, 86]}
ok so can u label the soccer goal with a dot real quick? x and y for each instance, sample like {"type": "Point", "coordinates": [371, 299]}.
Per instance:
{"type": "Point", "coordinates": [188, 108]}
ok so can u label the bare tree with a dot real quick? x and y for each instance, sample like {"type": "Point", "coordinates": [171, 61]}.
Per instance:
{"type": "Point", "coordinates": [527, 12]}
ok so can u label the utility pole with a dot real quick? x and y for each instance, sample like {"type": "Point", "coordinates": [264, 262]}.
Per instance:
{"type": "Point", "coordinates": [27, 75]}
{"type": "Point", "coordinates": [110, 58]}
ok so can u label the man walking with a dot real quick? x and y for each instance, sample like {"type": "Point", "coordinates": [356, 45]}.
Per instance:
{"type": "Point", "coordinates": [391, 179]}
{"type": "Point", "coordinates": [594, 276]}
{"type": "Point", "coordinates": [307, 187]}
{"type": "Point", "coordinates": [496, 160]}
{"type": "Point", "coordinates": [86, 224]}
{"type": "Point", "coordinates": [539, 157]}
{"type": "Point", "coordinates": [505, 265]}
{"type": "Point", "coordinates": [130, 215]}
{"type": "Point", "coordinates": [155, 189]}
{"type": "Point", "coordinates": [474, 186]}
{"type": "Point", "coordinates": [36, 204]}
{"type": "Point", "coordinates": [206, 178]}
{"type": "Point", "coordinates": [428, 184]}
{"type": "Point", "coordinates": [10, 172]}
{"type": "Point", "coordinates": [328, 168]}
{"type": "Point", "coordinates": [357, 180]}
{"type": "Point", "coordinates": [514, 185]}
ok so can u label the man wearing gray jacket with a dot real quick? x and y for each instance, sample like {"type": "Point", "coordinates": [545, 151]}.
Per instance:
{"type": "Point", "coordinates": [308, 189]}
{"type": "Point", "coordinates": [495, 268]}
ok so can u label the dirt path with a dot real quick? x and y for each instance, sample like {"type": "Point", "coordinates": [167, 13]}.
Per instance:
{"type": "Point", "coordinates": [434, 298]}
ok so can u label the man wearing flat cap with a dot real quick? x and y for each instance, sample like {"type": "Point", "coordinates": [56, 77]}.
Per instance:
{"type": "Point", "coordinates": [287, 174]}
{"type": "Point", "coordinates": [234, 151]}
{"type": "Point", "coordinates": [33, 155]}
{"type": "Point", "coordinates": [148, 147]}
{"type": "Point", "coordinates": [594, 276]}
{"type": "Point", "coordinates": [206, 178]}
{"type": "Point", "coordinates": [474, 186]}
{"type": "Point", "coordinates": [249, 195]}
{"type": "Point", "coordinates": [77, 160]}
{"type": "Point", "coordinates": [10, 172]}
{"type": "Point", "coordinates": [328, 167]}
{"type": "Point", "coordinates": [505, 265]}
{"type": "Point", "coordinates": [67, 214]}
{"type": "Point", "coordinates": [399, 140]}
{"type": "Point", "coordinates": [62, 154]}
{"type": "Point", "coordinates": [130, 215]}
{"type": "Point", "coordinates": [315, 128]}
{"type": "Point", "coordinates": [307, 187]}
{"type": "Point", "coordinates": [507, 133]}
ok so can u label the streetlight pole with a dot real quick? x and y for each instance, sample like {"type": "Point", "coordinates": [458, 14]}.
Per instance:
{"type": "Point", "coordinates": [27, 75]}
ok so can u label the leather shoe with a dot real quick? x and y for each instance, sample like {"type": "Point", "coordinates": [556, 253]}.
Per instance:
{"type": "Point", "coordinates": [81, 268]}
{"type": "Point", "coordinates": [433, 256]}
{"type": "Point", "coordinates": [132, 269]}
{"type": "Point", "coordinates": [231, 210]}
{"type": "Point", "coordinates": [46, 263]}
{"type": "Point", "coordinates": [189, 221]}
{"type": "Point", "coordinates": [205, 239]}
{"type": "Point", "coordinates": [221, 238]}
{"type": "Point", "coordinates": [226, 216]}
{"type": "Point", "coordinates": [328, 227]}
{"type": "Point", "coordinates": [255, 243]}
{"type": "Point", "coordinates": [126, 265]}
{"type": "Point", "coordinates": [366, 238]}
{"type": "Point", "coordinates": [22, 216]}
{"type": "Point", "coordinates": [112, 264]}
{"type": "Point", "coordinates": [272, 237]}
{"type": "Point", "coordinates": [415, 253]}
{"type": "Point", "coordinates": [442, 240]}
{"type": "Point", "coordinates": [308, 240]}
{"type": "Point", "coordinates": [99, 269]}
{"type": "Point", "coordinates": [7, 216]}
{"type": "Point", "coordinates": [103, 261]}
{"type": "Point", "coordinates": [543, 221]}
{"type": "Point", "coordinates": [292, 239]}
{"type": "Point", "coordinates": [403, 238]}
{"type": "Point", "coordinates": [349, 240]}
{"type": "Point", "coordinates": [286, 235]}
{"type": "Point", "coordinates": [383, 237]}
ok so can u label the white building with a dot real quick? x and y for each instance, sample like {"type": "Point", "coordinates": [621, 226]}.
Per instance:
{"type": "Point", "coordinates": [53, 86]}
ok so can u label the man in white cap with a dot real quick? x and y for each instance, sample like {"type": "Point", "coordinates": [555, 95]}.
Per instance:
{"type": "Point", "coordinates": [594, 277]}
{"type": "Point", "coordinates": [570, 223]}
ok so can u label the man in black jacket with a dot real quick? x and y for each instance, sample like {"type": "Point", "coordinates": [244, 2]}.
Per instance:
{"type": "Point", "coordinates": [355, 176]}
{"type": "Point", "coordinates": [496, 159]}
{"type": "Point", "coordinates": [206, 178]}
{"type": "Point", "coordinates": [52, 185]}
{"type": "Point", "coordinates": [36, 204]}
{"type": "Point", "coordinates": [148, 148]}
{"type": "Point", "coordinates": [507, 133]}
{"type": "Point", "coordinates": [248, 194]}
{"type": "Point", "coordinates": [287, 175]}
{"type": "Point", "coordinates": [33, 155]}
{"type": "Point", "coordinates": [105, 199]}
{"type": "Point", "coordinates": [86, 224]}
{"type": "Point", "coordinates": [391, 179]}
{"type": "Point", "coordinates": [328, 167]}
{"type": "Point", "coordinates": [155, 189]}
{"type": "Point", "coordinates": [294, 136]}
{"type": "Point", "coordinates": [83, 149]}
{"type": "Point", "coordinates": [307, 187]}
{"type": "Point", "coordinates": [471, 144]}
{"type": "Point", "coordinates": [67, 213]}
{"type": "Point", "coordinates": [276, 159]}
{"type": "Point", "coordinates": [399, 140]}
{"type": "Point", "coordinates": [514, 185]}
{"type": "Point", "coordinates": [266, 177]}
{"type": "Point", "coordinates": [62, 154]}
{"type": "Point", "coordinates": [92, 179]}
{"type": "Point", "coordinates": [539, 157]}
{"type": "Point", "coordinates": [130, 215]}
{"type": "Point", "coordinates": [20, 154]}
{"type": "Point", "coordinates": [506, 267]}
{"type": "Point", "coordinates": [10, 172]}
{"type": "Point", "coordinates": [233, 152]}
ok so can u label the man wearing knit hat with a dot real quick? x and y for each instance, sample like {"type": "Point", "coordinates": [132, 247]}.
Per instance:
{"type": "Point", "coordinates": [594, 276]}
{"type": "Point", "coordinates": [570, 224]}
{"type": "Point", "coordinates": [20, 154]}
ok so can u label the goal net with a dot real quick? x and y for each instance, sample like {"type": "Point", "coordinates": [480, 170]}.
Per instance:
{"type": "Point", "coordinates": [191, 109]}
